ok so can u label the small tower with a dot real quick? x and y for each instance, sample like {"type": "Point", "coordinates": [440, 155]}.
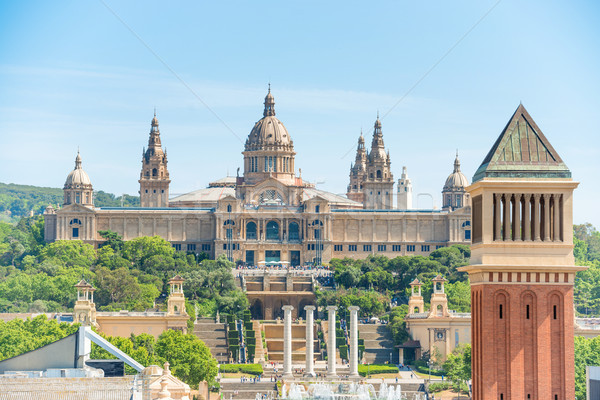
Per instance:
{"type": "Point", "coordinates": [379, 183]}
{"type": "Point", "coordinates": [84, 311]}
{"type": "Point", "coordinates": [454, 193]}
{"type": "Point", "coordinates": [176, 302]}
{"type": "Point", "coordinates": [358, 172]}
{"type": "Point", "coordinates": [404, 191]}
{"type": "Point", "coordinates": [439, 300]}
{"type": "Point", "coordinates": [154, 178]}
{"type": "Point", "coordinates": [78, 186]}
{"type": "Point", "coordinates": [416, 304]}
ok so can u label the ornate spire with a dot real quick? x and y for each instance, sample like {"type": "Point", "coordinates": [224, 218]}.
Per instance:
{"type": "Point", "coordinates": [78, 160]}
{"type": "Point", "coordinates": [456, 163]}
{"type": "Point", "coordinates": [269, 104]}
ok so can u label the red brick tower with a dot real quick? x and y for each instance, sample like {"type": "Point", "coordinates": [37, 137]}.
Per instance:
{"type": "Point", "coordinates": [522, 270]}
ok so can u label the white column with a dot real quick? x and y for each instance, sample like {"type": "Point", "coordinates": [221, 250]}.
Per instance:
{"type": "Point", "coordinates": [354, 342]}
{"type": "Point", "coordinates": [331, 367]}
{"type": "Point", "coordinates": [310, 342]}
{"type": "Point", "coordinates": [287, 341]}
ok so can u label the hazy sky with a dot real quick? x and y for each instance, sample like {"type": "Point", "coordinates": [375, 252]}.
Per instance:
{"type": "Point", "coordinates": [74, 73]}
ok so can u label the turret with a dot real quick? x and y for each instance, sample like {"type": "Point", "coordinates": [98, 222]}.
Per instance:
{"type": "Point", "coordinates": [416, 304]}
{"type": "Point", "coordinates": [154, 177]}
{"type": "Point", "coordinates": [358, 172]}
{"type": "Point", "coordinates": [78, 186]}
{"type": "Point", "coordinates": [439, 301]}
{"type": "Point", "coordinates": [176, 302]}
{"type": "Point", "coordinates": [404, 191]}
{"type": "Point", "coordinates": [84, 311]}
{"type": "Point", "coordinates": [454, 193]}
{"type": "Point", "coordinates": [379, 183]}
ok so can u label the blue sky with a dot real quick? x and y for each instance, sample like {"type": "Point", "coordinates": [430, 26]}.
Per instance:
{"type": "Point", "coordinates": [72, 74]}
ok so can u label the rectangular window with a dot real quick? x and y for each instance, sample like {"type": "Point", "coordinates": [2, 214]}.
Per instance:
{"type": "Point", "coordinates": [366, 247]}
{"type": "Point", "coordinates": [351, 247]}
{"type": "Point", "coordinates": [554, 314]}
{"type": "Point", "coordinates": [500, 311]}
{"type": "Point", "coordinates": [396, 247]}
{"type": "Point", "coordinates": [410, 247]}
{"type": "Point", "coordinates": [381, 247]}
{"type": "Point", "coordinates": [439, 246]}
{"type": "Point", "coordinates": [317, 208]}
{"type": "Point", "coordinates": [191, 247]}
{"type": "Point", "coordinates": [205, 247]}
{"type": "Point", "coordinates": [75, 232]}
{"type": "Point", "coordinates": [527, 311]}
{"type": "Point", "coordinates": [266, 164]}
{"type": "Point", "coordinates": [337, 247]}
{"type": "Point", "coordinates": [468, 234]}
{"type": "Point", "coordinates": [177, 246]}
{"type": "Point", "coordinates": [425, 248]}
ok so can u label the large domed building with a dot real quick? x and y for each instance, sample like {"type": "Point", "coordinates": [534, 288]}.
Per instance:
{"type": "Point", "coordinates": [269, 214]}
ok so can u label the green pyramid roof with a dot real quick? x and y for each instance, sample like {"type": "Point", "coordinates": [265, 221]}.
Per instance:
{"type": "Point", "coordinates": [522, 151]}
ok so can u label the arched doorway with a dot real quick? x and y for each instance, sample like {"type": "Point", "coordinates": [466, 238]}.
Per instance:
{"type": "Point", "coordinates": [256, 310]}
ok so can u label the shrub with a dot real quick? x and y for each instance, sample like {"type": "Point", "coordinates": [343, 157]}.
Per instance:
{"type": "Point", "coordinates": [424, 369]}
{"type": "Point", "coordinates": [251, 341]}
{"type": "Point", "coordinates": [438, 387]}
{"type": "Point", "coordinates": [250, 334]}
{"type": "Point", "coordinates": [344, 352]}
{"type": "Point", "coordinates": [233, 335]}
{"type": "Point", "coordinates": [251, 369]}
{"type": "Point", "coordinates": [248, 326]}
{"type": "Point", "coordinates": [376, 369]}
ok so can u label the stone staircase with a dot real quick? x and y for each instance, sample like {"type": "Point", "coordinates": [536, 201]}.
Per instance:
{"type": "Point", "coordinates": [259, 352]}
{"type": "Point", "coordinates": [378, 344]}
{"type": "Point", "coordinates": [214, 336]}
{"type": "Point", "coordinates": [247, 390]}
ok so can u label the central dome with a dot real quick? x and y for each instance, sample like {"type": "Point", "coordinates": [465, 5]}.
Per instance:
{"type": "Point", "coordinates": [269, 133]}
{"type": "Point", "coordinates": [456, 180]}
{"type": "Point", "coordinates": [78, 177]}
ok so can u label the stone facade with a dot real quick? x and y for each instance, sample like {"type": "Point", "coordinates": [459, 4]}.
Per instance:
{"type": "Point", "coordinates": [270, 214]}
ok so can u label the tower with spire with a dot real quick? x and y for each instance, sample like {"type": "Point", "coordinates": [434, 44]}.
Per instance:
{"type": "Point", "coordinates": [454, 193]}
{"type": "Point", "coordinates": [379, 182]}
{"type": "Point", "coordinates": [154, 178]}
{"type": "Point", "coordinates": [78, 186]}
{"type": "Point", "coordinates": [404, 191]}
{"type": "Point", "coordinates": [358, 172]}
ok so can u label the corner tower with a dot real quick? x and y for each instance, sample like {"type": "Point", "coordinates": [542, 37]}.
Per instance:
{"type": "Point", "coordinates": [379, 183]}
{"type": "Point", "coordinates": [358, 172]}
{"type": "Point", "coordinates": [454, 193]}
{"type": "Point", "coordinates": [78, 186]}
{"type": "Point", "coordinates": [269, 149]}
{"type": "Point", "coordinates": [154, 178]}
{"type": "Point", "coordinates": [404, 191]}
{"type": "Point", "coordinates": [522, 269]}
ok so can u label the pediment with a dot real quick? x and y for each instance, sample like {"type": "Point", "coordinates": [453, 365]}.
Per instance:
{"type": "Point", "coordinates": [75, 208]}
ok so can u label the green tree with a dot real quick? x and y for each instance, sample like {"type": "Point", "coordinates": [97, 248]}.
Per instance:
{"type": "Point", "coordinates": [458, 367]}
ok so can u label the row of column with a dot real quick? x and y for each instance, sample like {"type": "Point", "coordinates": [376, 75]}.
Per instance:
{"type": "Point", "coordinates": [535, 217]}
{"type": "Point", "coordinates": [331, 342]}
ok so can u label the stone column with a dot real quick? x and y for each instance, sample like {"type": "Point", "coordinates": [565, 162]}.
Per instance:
{"type": "Point", "coordinates": [354, 342]}
{"type": "Point", "coordinates": [497, 204]}
{"type": "Point", "coordinates": [506, 234]}
{"type": "Point", "coordinates": [331, 367]}
{"type": "Point", "coordinates": [526, 216]}
{"type": "Point", "coordinates": [287, 342]}
{"type": "Point", "coordinates": [536, 217]}
{"type": "Point", "coordinates": [517, 218]}
{"type": "Point", "coordinates": [310, 342]}
{"type": "Point", "coordinates": [546, 217]}
{"type": "Point", "coordinates": [556, 198]}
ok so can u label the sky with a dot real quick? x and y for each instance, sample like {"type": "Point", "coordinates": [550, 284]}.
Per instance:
{"type": "Point", "coordinates": [444, 76]}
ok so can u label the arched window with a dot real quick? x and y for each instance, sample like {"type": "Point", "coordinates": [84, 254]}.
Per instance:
{"type": "Point", "coordinates": [416, 310]}
{"type": "Point", "coordinates": [294, 231]}
{"type": "Point", "coordinates": [77, 197]}
{"type": "Point", "coordinates": [251, 231]}
{"type": "Point", "coordinates": [440, 311]}
{"type": "Point", "coordinates": [378, 174]}
{"type": "Point", "coordinates": [228, 208]}
{"type": "Point", "coordinates": [75, 224]}
{"type": "Point", "coordinates": [272, 230]}
{"type": "Point", "coordinates": [154, 172]}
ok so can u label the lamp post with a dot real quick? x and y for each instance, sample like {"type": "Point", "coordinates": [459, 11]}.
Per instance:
{"type": "Point", "coordinates": [429, 365]}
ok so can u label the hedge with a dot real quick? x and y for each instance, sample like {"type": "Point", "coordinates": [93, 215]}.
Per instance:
{"type": "Point", "coordinates": [252, 369]}
{"type": "Point", "coordinates": [438, 387]}
{"type": "Point", "coordinates": [251, 350]}
{"type": "Point", "coordinates": [344, 352]}
{"type": "Point", "coordinates": [425, 370]}
{"type": "Point", "coordinates": [251, 341]}
{"type": "Point", "coordinates": [232, 326]}
{"type": "Point", "coordinates": [248, 326]}
{"type": "Point", "coordinates": [340, 341]}
{"type": "Point", "coordinates": [250, 334]}
{"type": "Point", "coordinates": [233, 334]}
{"type": "Point", "coordinates": [376, 369]}
{"type": "Point", "coordinates": [230, 318]}
{"type": "Point", "coordinates": [233, 342]}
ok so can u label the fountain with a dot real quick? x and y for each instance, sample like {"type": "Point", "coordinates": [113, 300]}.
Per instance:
{"type": "Point", "coordinates": [345, 391]}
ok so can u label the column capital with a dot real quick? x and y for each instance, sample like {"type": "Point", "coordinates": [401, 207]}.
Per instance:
{"type": "Point", "coordinates": [287, 308]}
{"type": "Point", "coordinates": [310, 308]}
{"type": "Point", "coordinates": [353, 308]}
{"type": "Point", "coordinates": [331, 308]}
{"type": "Point", "coordinates": [537, 195]}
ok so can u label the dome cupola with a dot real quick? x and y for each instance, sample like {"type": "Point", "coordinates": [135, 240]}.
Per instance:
{"type": "Point", "coordinates": [269, 149]}
{"type": "Point", "coordinates": [454, 194]}
{"type": "Point", "coordinates": [78, 186]}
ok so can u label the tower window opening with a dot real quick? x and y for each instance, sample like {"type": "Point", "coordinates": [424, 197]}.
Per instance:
{"type": "Point", "coordinates": [527, 311]}
{"type": "Point", "coordinates": [500, 310]}
{"type": "Point", "coordinates": [554, 312]}
{"type": "Point", "coordinates": [154, 172]}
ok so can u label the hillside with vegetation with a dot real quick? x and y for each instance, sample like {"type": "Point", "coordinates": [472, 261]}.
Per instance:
{"type": "Point", "coordinates": [17, 201]}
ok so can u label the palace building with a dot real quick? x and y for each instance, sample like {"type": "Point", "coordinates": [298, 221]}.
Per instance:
{"type": "Point", "coordinates": [269, 214]}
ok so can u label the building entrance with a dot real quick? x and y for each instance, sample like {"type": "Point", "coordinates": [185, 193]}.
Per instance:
{"type": "Point", "coordinates": [294, 258]}
{"type": "Point", "coordinates": [273, 256]}
{"type": "Point", "coordinates": [250, 257]}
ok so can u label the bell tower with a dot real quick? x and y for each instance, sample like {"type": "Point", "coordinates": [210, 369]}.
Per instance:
{"type": "Point", "coordinates": [379, 183]}
{"type": "Point", "coordinates": [84, 311]}
{"type": "Point", "coordinates": [176, 302]}
{"type": "Point", "coordinates": [416, 304]}
{"type": "Point", "coordinates": [358, 172]}
{"type": "Point", "coordinates": [154, 178]}
{"type": "Point", "coordinates": [522, 269]}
